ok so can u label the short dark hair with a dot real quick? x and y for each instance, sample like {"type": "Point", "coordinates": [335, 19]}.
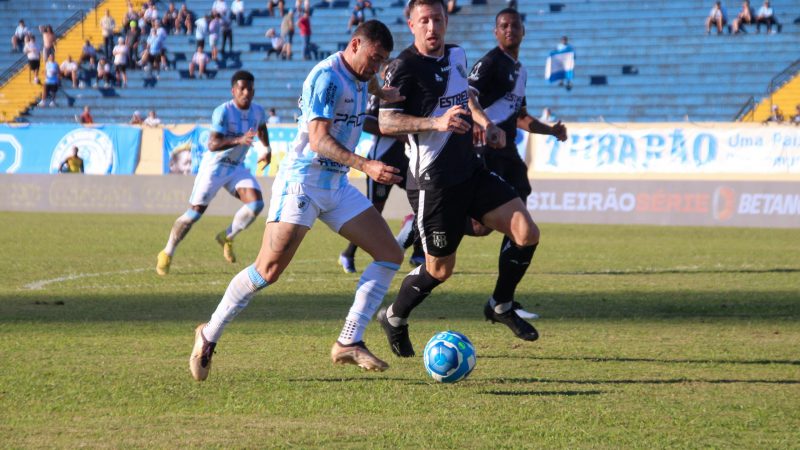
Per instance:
{"type": "Point", "coordinates": [242, 75]}
{"type": "Point", "coordinates": [375, 31]}
{"type": "Point", "coordinates": [413, 3]}
{"type": "Point", "coordinates": [510, 11]}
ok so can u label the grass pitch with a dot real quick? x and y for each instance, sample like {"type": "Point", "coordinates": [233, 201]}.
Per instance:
{"type": "Point", "coordinates": [652, 337]}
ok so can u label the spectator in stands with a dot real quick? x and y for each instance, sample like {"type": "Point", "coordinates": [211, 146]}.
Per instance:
{"type": "Point", "coordinates": [48, 41]}
{"type": "Point", "coordinates": [31, 50]}
{"type": "Point", "coordinates": [121, 62]}
{"type": "Point", "coordinates": [88, 51]}
{"type": "Point", "coordinates": [287, 33]}
{"type": "Point", "coordinates": [214, 28]}
{"type": "Point", "coordinates": [273, 117]}
{"type": "Point", "coordinates": [136, 118]}
{"type": "Point", "coordinates": [132, 39]}
{"type": "Point", "coordinates": [168, 20]}
{"type": "Point", "coordinates": [107, 26]}
{"type": "Point", "coordinates": [302, 5]}
{"type": "Point", "coordinates": [198, 63]}
{"type": "Point", "coordinates": [183, 23]}
{"type": "Point", "coordinates": [51, 79]}
{"type": "Point", "coordinates": [796, 117]}
{"type": "Point", "coordinates": [72, 163]}
{"type": "Point", "coordinates": [155, 53]}
{"type": "Point", "coordinates": [18, 38]}
{"type": "Point", "coordinates": [86, 116]}
{"type": "Point", "coordinates": [130, 16]}
{"type": "Point", "coordinates": [69, 70]}
{"type": "Point", "coordinates": [237, 12]}
{"type": "Point", "coordinates": [367, 5]}
{"type": "Point", "coordinates": [452, 7]}
{"type": "Point", "coordinates": [271, 4]}
{"type": "Point", "coordinates": [103, 72]}
{"type": "Point", "coordinates": [716, 17]}
{"type": "Point", "coordinates": [220, 7]}
{"type": "Point", "coordinates": [304, 25]}
{"type": "Point", "coordinates": [87, 72]}
{"type": "Point", "coordinates": [227, 32]}
{"type": "Point", "coordinates": [201, 29]}
{"type": "Point", "coordinates": [766, 15]}
{"type": "Point", "coordinates": [357, 17]}
{"type": "Point", "coordinates": [150, 17]}
{"type": "Point", "coordinates": [775, 115]}
{"type": "Point", "coordinates": [276, 44]}
{"type": "Point", "coordinates": [152, 120]}
{"type": "Point", "coordinates": [745, 17]}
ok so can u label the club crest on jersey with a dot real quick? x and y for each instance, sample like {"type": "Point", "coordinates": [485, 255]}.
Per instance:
{"type": "Point", "coordinates": [439, 239]}
{"type": "Point", "coordinates": [302, 203]}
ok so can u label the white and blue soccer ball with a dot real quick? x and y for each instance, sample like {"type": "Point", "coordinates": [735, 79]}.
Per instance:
{"type": "Point", "coordinates": [449, 357]}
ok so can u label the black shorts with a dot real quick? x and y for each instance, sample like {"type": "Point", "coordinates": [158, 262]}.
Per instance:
{"type": "Point", "coordinates": [33, 64]}
{"type": "Point", "coordinates": [442, 213]}
{"type": "Point", "coordinates": [395, 156]}
{"type": "Point", "coordinates": [510, 167]}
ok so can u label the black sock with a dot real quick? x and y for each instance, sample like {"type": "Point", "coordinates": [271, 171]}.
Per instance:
{"type": "Point", "coordinates": [416, 286]}
{"type": "Point", "coordinates": [350, 251]}
{"type": "Point", "coordinates": [513, 263]}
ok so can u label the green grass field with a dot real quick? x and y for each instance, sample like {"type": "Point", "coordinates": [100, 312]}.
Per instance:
{"type": "Point", "coordinates": [652, 337]}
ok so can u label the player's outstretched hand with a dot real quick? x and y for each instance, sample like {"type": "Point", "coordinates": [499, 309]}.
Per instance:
{"type": "Point", "coordinates": [451, 120]}
{"type": "Point", "coordinates": [381, 172]}
{"type": "Point", "coordinates": [391, 94]}
{"type": "Point", "coordinates": [560, 131]}
{"type": "Point", "coordinates": [495, 136]}
{"type": "Point", "coordinates": [247, 138]}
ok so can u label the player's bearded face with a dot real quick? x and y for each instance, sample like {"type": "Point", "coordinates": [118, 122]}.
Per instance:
{"type": "Point", "coordinates": [243, 93]}
{"type": "Point", "coordinates": [509, 31]}
{"type": "Point", "coordinates": [428, 23]}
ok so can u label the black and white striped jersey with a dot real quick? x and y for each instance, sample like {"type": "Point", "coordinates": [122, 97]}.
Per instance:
{"type": "Point", "coordinates": [431, 86]}
{"type": "Point", "coordinates": [500, 82]}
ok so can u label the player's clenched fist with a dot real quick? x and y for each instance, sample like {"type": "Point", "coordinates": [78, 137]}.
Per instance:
{"type": "Point", "coordinates": [382, 173]}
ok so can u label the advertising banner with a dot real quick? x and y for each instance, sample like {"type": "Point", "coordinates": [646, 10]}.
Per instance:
{"type": "Point", "coordinates": [34, 148]}
{"type": "Point", "coordinates": [669, 149]}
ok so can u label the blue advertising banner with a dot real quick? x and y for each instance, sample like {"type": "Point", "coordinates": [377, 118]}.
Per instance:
{"type": "Point", "coordinates": [34, 148]}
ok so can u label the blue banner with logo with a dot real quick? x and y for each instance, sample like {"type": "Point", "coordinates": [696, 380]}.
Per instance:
{"type": "Point", "coordinates": [34, 148]}
{"type": "Point", "coordinates": [183, 152]}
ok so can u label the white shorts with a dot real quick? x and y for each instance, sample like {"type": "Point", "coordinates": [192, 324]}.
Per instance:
{"type": "Point", "coordinates": [301, 204]}
{"type": "Point", "coordinates": [209, 181]}
{"type": "Point", "coordinates": [212, 40]}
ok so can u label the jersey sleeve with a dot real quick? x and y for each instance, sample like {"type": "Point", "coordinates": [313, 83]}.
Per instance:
{"type": "Point", "coordinates": [481, 76]}
{"type": "Point", "coordinates": [399, 75]}
{"type": "Point", "coordinates": [322, 95]}
{"type": "Point", "coordinates": [219, 119]}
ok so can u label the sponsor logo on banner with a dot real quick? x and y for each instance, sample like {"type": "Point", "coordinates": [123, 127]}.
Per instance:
{"type": "Point", "coordinates": [94, 146]}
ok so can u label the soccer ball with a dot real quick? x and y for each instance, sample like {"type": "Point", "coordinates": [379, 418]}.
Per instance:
{"type": "Point", "coordinates": [449, 357]}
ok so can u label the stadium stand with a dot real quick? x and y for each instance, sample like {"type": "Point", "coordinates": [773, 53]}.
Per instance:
{"type": "Point", "coordinates": [650, 62]}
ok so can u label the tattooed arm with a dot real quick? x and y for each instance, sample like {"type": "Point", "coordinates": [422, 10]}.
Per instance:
{"type": "Point", "coordinates": [324, 144]}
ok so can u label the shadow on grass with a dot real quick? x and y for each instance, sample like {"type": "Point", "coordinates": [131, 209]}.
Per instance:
{"type": "Point", "coordinates": [544, 393]}
{"type": "Point", "coordinates": [651, 360]}
{"type": "Point", "coordinates": [355, 379]}
{"type": "Point", "coordinates": [644, 381]}
{"type": "Point", "coordinates": [280, 305]}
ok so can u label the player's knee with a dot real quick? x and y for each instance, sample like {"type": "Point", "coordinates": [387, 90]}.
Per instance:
{"type": "Point", "coordinates": [256, 206]}
{"type": "Point", "coordinates": [530, 236]}
{"type": "Point", "coordinates": [440, 272]}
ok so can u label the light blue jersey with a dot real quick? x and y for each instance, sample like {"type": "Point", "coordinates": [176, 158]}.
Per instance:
{"type": "Point", "coordinates": [230, 121]}
{"type": "Point", "coordinates": [330, 92]}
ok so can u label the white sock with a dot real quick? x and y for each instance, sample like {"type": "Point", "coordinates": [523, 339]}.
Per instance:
{"type": "Point", "coordinates": [180, 228]}
{"type": "Point", "coordinates": [372, 287]}
{"type": "Point", "coordinates": [244, 217]}
{"type": "Point", "coordinates": [241, 289]}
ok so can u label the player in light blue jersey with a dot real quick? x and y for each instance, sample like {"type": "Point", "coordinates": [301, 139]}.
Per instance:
{"type": "Point", "coordinates": [312, 183]}
{"type": "Point", "coordinates": [234, 124]}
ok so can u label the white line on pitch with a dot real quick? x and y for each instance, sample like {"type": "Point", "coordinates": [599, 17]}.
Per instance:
{"type": "Point", "coordinates": [37, 285]}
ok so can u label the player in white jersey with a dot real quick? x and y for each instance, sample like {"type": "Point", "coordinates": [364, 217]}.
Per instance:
{"type": "Point", "coordinates": [312, 183]}
{"type": "Point", "coordinates": [234, 124]}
